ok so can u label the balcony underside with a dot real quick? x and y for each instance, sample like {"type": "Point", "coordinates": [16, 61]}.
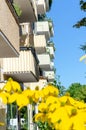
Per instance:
{"type": "Point", "coordinates": [28, 10]}
{"type": "Point", "coordinates": [41, 7]}
{"type": "Point", "coordinates": [6, 48]}
{"type": "Point", "coordinates": [40, 50]}
{"type": "Point", "coordinates": [45, 67]}
{"type": "Point", "coordinates": [21, 76]}
{"type": "Point", "coordinates": [44, 62]}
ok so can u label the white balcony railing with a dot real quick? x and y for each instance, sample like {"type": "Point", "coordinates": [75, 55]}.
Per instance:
{"type": "Point", "coordinates": [41, 83]}
{"type": "Point", "coordinates": [26, 29]}
{"type": "Point", "coordinates": [44, 28]}
{"type": "Point", "coordinates": [22, 69]}
{"type": "Point", "coordinates": [50, 75]}
{"type": "Point", "coordinates": [40, 43]}
{"type": "Point", "coordinates": [50, 50]}
{"type": "Point", "coordinates": [44, 61]}
{"type": "Point", "coordinates": [52, 65]}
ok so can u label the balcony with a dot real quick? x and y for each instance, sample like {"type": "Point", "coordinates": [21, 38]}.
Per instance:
{"type": "Point", "coordinates": [41, 83]}
{"type": "Point", "coordinates": [9, 30]}
{"type": "Point", "coordinates": [41, 6]}
{"type": "Point", "coordinates": [50, 75]}
{"type": "Point", "coordinates": [26, 29]}
{"type": "Point", "coordinates": [44, 28]}
{"type": "Point", "coordinates": [52, 65]}
{"type": "Point", "coordinates": [27, 41]}
{"type": "Point", "coordinates": [44, 62]}
{"type": "Point", "coordinates": [29, 10]}
{"type": "Point", "coordinates": [40, 43]}
{"type": "Point", "coordinates": [48, 4]}
{"type": "Point", "coordinates": [50, 50]}
{"type": "Point", "coordinates": [22, 69]}
{"type": "Point", "coordinates": [26, 35]}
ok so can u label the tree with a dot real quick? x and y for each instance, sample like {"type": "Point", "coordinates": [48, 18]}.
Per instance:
{"type": "Point", "coordinates": [57, 83]}
{"type": "Point", "coordinates": [81, 22]}
{"type": "Point", "coordinates": [83, 47]}
{"type": "Point", "coordinates": [77, 91]}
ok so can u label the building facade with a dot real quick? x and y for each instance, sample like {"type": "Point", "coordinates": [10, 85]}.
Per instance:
{"type": "Point", "coordinates": [26, 48]}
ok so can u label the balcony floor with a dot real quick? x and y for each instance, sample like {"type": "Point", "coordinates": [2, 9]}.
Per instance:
{"type": "Point", "coordinates": [21, 76]}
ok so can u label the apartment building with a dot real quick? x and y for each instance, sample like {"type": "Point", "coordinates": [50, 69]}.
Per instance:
{"type": "Point", "coordinates": [26, 48]}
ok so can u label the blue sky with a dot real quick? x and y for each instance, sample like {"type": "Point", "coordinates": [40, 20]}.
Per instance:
{"type": "Point", "coordinates": [65, 13]}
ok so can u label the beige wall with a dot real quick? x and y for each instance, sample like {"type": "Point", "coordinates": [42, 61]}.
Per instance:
{"type": "Point", "coordinates": [8, 24]}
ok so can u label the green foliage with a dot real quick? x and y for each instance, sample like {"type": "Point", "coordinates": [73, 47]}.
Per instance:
{"type": "Point", "coordinates": [83, 47]}
{"type": "Point", "coordinates": [17, 9]}
{"type": "Point", "coordinates": [43, 126]}
{"type": "Point", "coordinates": [83, 5]}
{"type": "Point", "coordinates": [57, 83]}
{"type": "Point", "coordinates": [50, 4]}
{"type": "Point", "coordinates": [42, 17]}
{"type": "Point", "coordinates": [81, 22]}
{"type": "Point", "coordinates": [23, 112]}
{"type": "Point", "coordinates": [77, 91]}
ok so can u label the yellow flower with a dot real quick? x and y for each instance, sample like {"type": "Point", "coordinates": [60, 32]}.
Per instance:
{"type": "Point", "coordinates": [22, 100]}
{"type": "Point", "coordinates": [51, 90]}
{"type": "Point", "coordinates": [42, 94]}
{"type": "Point", "coordinates": [67, 100]}
{"type": "Point", "coordinates": [11, 86]}
{"type": "Point", "coordinates": [45, 91]}
{"type": "Point", "coordinates": [40, 117]}
{"type": "Point", "coordinates": [60, 119]}
{"type": "Point", "coordinates": [51, 100]}
{"type": "Point", "coordinates": [59, 114]}
{"type": "Point", "coordinates": [2, 124]}
{"type": "Point", "coordinates": [28, 93]}
{"type": "Point", "coordinates": [15, 85]}
{"type": "Point", "coordinates": [37, 88]}
{"type": "Point", "coordinates": [53, 107]}
{"type": "Point", "coordinates": [42, 107]}
{"type": "Point", "coordinates": [80, 104]}
{"type": "Point", "coordinates": [83, 57]}
{"type": "Point", "coordinates": [12, 98]}
{"type": "Point", "coordinates": [3, 98]}
{"type": "Point", "coordinates": [78, 123]}
{"type": "Point", "coordinates": [7, 87]}
{"type": "Point", "coordinates": [70, 110]}
{"type": "Point", "coordinates": [36, 96]}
